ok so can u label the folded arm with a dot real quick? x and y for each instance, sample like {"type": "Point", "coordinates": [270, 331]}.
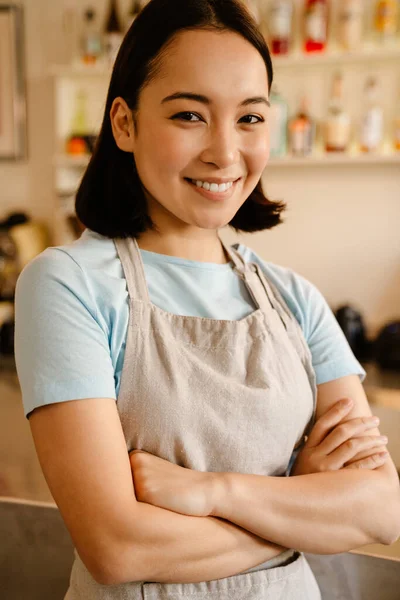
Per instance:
{"type": "Point", "coordinates": [322, 513]}
{"type": "Point", "coordinates": [83, 455]}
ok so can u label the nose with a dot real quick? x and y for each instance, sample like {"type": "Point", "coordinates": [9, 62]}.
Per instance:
{"type": "Point", "coordinates": [221, 147]}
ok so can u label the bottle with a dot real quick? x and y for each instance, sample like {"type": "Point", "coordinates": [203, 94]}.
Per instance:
{"type": "Point", "coordinates": [302, 131]}
{"type": "Point", "coordinates": [371, 132]}
{"type": "Point", "coordinates": [112, 33]}
{"type": "Point", "coordinates": [315, 25]}
{"type": "Point", "coordinates": [385, 19]}
{"type": "Point", "coordinates": [338, 123]}
{"type": "Point", "coordinates": [277, 123]}
{"type": "Point", "coordinates": [133, 13]}
{"type": "Point", "coordinates": [91, 39]}
{"type": "Point", "coordinates": [280, 23]}
{"type": "Point", "coordinates": [77, 143]}
{"type": "Point", "coordinates": [350, 23]}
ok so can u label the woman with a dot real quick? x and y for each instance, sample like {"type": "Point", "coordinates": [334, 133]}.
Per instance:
{"type": "Point", "coordinates": [220, 362]}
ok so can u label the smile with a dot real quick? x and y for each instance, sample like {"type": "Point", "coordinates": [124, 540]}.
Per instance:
{"type": "Point", "coordinates": [213, 187]}
{"type": "Point", "coordinates": [214, 191]}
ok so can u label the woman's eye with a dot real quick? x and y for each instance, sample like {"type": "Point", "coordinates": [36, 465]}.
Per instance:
{"type": "Point", "coordinates": [259, 119]}
{"type": "Point", "coordinates": [185, 116]}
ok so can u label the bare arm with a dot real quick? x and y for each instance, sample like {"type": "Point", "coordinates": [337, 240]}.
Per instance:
{"type": "Point", "coordinates": [321, 512]}
{"type": "Point", "coordinates": [83, 455]}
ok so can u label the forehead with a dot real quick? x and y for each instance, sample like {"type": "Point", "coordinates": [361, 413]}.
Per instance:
{"type": "Point", "coordinates": [213, 61]}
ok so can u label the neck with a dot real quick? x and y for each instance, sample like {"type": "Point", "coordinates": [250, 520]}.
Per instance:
{"type": "Point", "coordinates": [205, 246]}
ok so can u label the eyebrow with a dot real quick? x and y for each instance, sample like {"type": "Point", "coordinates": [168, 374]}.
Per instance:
{"type": "Point", "coordinates": [205, 100]}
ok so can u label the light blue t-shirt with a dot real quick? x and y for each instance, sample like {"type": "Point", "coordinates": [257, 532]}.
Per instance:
{"type": "Point", "coordinates": [72, 311]}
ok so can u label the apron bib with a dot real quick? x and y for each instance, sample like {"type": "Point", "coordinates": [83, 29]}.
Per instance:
{"type": "Point", "coordinates": [214, 395]}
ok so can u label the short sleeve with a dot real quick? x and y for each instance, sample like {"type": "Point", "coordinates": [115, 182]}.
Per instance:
{"type": "Point", "coordinates": [61, 351]}
{"type": "Point", "coordinates": [332, 356]}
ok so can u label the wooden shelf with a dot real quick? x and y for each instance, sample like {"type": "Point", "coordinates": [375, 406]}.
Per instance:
{"type": "Point", "coordinates": [335, 56]}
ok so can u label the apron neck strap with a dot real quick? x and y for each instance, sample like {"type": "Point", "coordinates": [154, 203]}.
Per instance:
{"type": "Point", "coordinates": [131, 259]}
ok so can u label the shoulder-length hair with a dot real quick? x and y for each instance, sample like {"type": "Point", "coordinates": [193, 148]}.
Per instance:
{"type": "Point", "coordinates": [110, 199]}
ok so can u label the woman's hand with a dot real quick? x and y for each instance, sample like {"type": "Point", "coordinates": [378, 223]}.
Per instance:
{"type": "Point", "coordinates": [335, 444]}
{"type": "Point", "coordinates": [166, 485]}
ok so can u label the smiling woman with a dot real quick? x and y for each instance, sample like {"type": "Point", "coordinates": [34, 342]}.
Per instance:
{"type": "Point", "coordinates": [183, 394]}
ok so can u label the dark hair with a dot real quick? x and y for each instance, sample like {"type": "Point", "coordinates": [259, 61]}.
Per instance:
{"type": "Point", "coordinates": [110, 199]}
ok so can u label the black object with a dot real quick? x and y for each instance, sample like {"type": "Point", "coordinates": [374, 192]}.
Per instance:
{"type": "Point", "coordinates": [353, 327]}
{"type": "Point", "coordinates": [7, 332]}
{"type": "Point", "coordinates": [387, 346]}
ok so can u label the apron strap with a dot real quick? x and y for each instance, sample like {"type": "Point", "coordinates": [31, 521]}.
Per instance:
{"type": "Point", "coordinates": [129, 254]}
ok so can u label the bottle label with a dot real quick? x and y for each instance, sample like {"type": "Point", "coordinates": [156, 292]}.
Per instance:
{"type": "Point", "coordinates": [338, 131]}
{"type": "Point", "coordinates": [280, 20]}
{"type": "Point", "coordinates": [316, 23]}
{"type": "Point", "coordinates": [371, 128]}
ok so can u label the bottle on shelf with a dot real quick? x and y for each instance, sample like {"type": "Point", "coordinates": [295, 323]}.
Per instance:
{"type": "Point", "coordinates": [135, 9]}
{"type": "Point", "coordinates": [371, 131]}
{"type": "Point", "coordinates": [113, 34]}
{"type": "Point", "coordinates": [80, 140]}
{"type": "Point", "coordinates": [91, 46]}
{"type": "Point", "coordinates": [280, 26]}
{"type": "Point", "coordinates": [338, 122]}
{"type": "Point", "coordinates": [278, 123]}
{"type": "Point", "coordinates": [301, 131]}
{"type": "Point", "coordinates": [385, 20]}
{"type": "Point", "coordinates": [315, 25]}
{"type": "Point", "coordinates": [350, 23]}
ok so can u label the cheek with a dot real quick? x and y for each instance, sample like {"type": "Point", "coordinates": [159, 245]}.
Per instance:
{"type": "Point", "coordinates": [258, 153]}
{"type": "Point", "coordinates": [164, 151]}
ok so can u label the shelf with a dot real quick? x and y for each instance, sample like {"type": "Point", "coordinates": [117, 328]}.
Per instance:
{"type": "Point", "coordinates": [367, 55]}
{"type": "Point", "coordinates": [316, 160]}
{"type": "Point", "coordinates": [80, 70]}
{"type": "Point", "coordinates": [335, 56]}
{"type": "Point", "coordinates": [335, 159]}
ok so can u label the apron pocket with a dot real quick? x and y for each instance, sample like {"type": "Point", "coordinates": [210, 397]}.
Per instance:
{"type": "Point", "coordinates": [294, 581]}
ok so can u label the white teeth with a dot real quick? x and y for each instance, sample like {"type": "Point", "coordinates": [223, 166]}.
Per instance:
{"type": "Point", "coordinates": [213, 187]}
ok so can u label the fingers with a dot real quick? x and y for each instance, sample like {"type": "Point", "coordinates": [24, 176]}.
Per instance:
{"type": "Point", "coordinates": [329, 420]}
{"type": "Point", "coordinates": [347, 431]}
{"type": "Point", "coordinates": [370, 444]}
{"type": "Point", "coordinates": [371, 462]}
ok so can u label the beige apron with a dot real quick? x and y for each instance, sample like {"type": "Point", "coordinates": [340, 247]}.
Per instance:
{"type": "Point", "coordinates": [214, 395]}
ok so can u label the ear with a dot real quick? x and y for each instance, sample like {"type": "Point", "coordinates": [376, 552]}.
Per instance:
{"type": "Point", "coordinates": [122, 125]}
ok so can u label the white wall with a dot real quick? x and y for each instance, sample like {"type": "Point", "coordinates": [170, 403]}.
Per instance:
{"type": "Point", "coordinates": [342, 224]}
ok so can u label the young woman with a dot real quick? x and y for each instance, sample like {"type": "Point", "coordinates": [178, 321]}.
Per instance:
{"type": "Point", "coordinates": [170, 380]}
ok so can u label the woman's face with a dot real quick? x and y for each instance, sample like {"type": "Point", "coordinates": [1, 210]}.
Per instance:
{"type": "Point", "coordinates": [203, 118]}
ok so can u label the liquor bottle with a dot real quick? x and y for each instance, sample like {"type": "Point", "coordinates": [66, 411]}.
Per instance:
{"type": "Point", "coordinates": [78, 141]}
{"type": "Point", "coordinates": [350, 23]}
{"type": "Point", "coordinates": [385, 19]}
{"type": "Point", "coordinates": [277, 123]}
{"type": "Point", "coordinates": [91, 39]}
{"type": "Point", "coordinates": [315, 25]}
{"type": "Point", "coordinates": [133, 13]}
{"type": "Point", "coordinates": [112, 33]}
{"type": "Point", "coordinates": [338, 123]}
{"type": "Point", "coordinates": [302, 131]}
{"type": "Point", "coordinates": [371, 132]}
{"type": "Point", "coordinates": [280, 24]}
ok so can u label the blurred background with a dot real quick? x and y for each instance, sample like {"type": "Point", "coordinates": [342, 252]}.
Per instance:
{"type": "Point", "coordinates": [335, 160]}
